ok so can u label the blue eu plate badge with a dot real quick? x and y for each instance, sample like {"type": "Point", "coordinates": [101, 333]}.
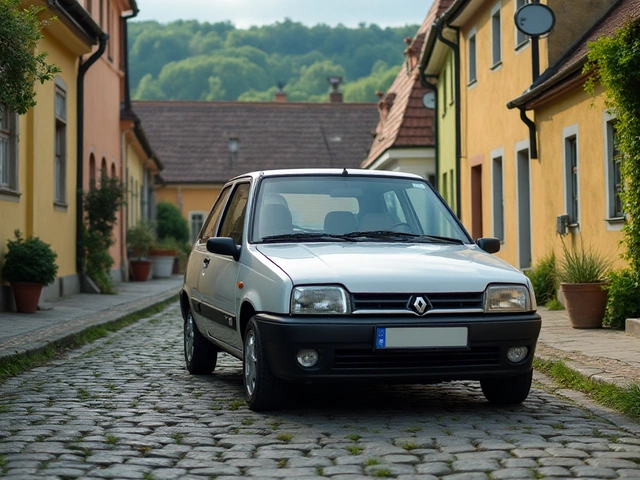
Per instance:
{"type": "Point", "coordinates": [381, 337]}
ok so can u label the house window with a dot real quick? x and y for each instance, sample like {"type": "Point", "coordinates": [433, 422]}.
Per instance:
{"type": "Point", "coordinates": [8, 150]}
{"type": "Point", "coordinates": [471, 42]}
{"type": "Point", "coordinates": [614, 159]}
{"type": "Point", "coordinates": [521, 38]}
{"type": "Point", "coordinates": [196, 220]}
{"type": "Point", "coordinates": [496, 36]}
{"type": "Point", "coordinates": [498, 199]}
{"type": "Point", "coordinates": [571, 174]}
{"type": "Point", "coordinates": [60, 171]}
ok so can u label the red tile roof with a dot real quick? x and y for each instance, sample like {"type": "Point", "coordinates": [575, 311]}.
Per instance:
{"type": "Point", "coordinates": [408, 123]}
{"type": "Point", "coordinates": [192, 137]}
{"type": "Point", "coordinates": [574, 59]}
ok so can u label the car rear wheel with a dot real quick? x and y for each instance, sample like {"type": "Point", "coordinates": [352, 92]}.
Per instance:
{"type": "Point", "coordinates": [509, 390]}
{"type": "Point", "coordinates": [262, 390]}
{"type": "Point", "coordinates": [200, 355]}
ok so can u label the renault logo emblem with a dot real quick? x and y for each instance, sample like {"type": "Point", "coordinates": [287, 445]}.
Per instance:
{"type": "Point", "coordinates": [419, 304]}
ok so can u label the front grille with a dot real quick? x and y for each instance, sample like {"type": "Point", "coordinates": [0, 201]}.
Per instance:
{"type": "Point", "coordinates": [399, 301]}
{"type": "Point", "coordinates": [415, 361]}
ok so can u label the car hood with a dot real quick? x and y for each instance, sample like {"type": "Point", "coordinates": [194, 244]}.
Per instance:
{"type": "Point", "coordinates": [392, 268]}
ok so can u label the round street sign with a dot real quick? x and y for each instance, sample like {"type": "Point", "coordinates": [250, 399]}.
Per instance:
{"type": "Point", "coordinates": [535, 19]}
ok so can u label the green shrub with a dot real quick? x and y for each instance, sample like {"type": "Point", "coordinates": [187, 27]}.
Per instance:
{"type": "Point", "coordinates": [30, 260]}
{"type": "Point", "coordinates": [171, 223]}
{"type": "Point", "coordinates": [623, 297]}
{"type": "Point", "coordinates": [554, 304]}
{"type": "Point", "coordinates": [544, 277]}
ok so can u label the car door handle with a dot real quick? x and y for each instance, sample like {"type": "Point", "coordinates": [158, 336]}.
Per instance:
{"type": "Point", "coordinates": [205, 263]}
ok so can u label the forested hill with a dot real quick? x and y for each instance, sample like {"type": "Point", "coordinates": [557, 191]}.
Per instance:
{"type": "Point", "coordinates": [188, 60]}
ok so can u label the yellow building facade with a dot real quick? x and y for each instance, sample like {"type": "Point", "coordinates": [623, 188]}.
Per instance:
{"type": "Point", "coordinates": [38, 197]}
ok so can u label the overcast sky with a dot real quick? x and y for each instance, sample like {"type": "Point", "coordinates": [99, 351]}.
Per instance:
{"type": "Point", "coordinates": [244, 13]}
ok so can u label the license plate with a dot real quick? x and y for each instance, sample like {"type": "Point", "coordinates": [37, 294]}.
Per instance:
{"type": "Point", "coordinates": [421, 337]}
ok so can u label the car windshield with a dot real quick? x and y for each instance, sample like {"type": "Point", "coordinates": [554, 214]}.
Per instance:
{"type": "Point", "coordinates": [352, 208]}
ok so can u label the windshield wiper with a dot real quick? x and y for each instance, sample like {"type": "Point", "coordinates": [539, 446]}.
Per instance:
{"type": "Point", "coordinates": [403, 236]}
{"type": "Point", "coordinates": [306, 236]}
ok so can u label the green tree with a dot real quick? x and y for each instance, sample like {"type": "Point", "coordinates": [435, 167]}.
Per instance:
{"type": "Point", "coordinates": [20, 68]}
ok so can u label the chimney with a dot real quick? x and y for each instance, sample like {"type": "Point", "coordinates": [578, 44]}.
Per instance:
{"type": "Point", "coordinates": [281, 95]}
{"type": "Point", "coordinates": [335, 96]}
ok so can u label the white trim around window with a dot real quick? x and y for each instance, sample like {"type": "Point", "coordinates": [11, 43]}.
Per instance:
{"type": "Point", "coordinates": [496, 36]}
{"type": "Point", "coordinates": [520, 39]}
{"type": "Point", "coordinates": [613, 219]}
{"type": "Point", "coordinates": [571, 173]}
{"type": "Point", "coordinates": [497, 193]}
{"type": "Point", "coordinates": [60, 144]}
{"type": "Point", "coordinates": [472, 57]}
{"type": "Point", "coordinates": [8, 156]}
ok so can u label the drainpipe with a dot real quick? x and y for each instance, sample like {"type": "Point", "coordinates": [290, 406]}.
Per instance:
{"type": "Point", "coordinates": [84, 67]}
{"type": "Point", "coordinates": [427, 84]}
{"type": "Point", "coordinates": [456, 62]}
{"type": "Point", "coordinates": [533, 147]}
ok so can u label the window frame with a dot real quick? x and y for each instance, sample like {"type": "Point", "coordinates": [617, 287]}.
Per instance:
{"type": "Point", "coordinates": [60, 151]}
{"type": "Point", "coordinates": [496, 36]}
{"type": "Point", "coordinates": [9, 188]}
{"type": "Point", "coordinates": [520, 39]}
{"type": "Point", "coordinates": [472, 66]}
{"type": "Point", "coordinates": [571, 173]}
{"type": "Point", "coordinates": [213, 219]}
{"type": "Point", "coordinates": [497, 194]}
{"type": "Point", "coordinates": [612, 215]}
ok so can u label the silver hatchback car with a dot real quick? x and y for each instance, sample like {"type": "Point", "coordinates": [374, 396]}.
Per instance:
{"type": "Point", "coordinates": [327, 275]}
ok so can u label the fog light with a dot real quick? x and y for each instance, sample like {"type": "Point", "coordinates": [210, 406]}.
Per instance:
{"type": "Point", "coordinates": [517, 354]}
{"type": "Point", "coordinates": [308, 358]}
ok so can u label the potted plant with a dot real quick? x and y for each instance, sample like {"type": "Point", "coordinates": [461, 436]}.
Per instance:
{"type": "Point", "coordinates": [162, 257]}
{"type": "Point", "coordinates": [582, 275]}
{"type": "Point", "coordinates": [140, 238]}
{"type": "Point", "coordinates": [28, 266]}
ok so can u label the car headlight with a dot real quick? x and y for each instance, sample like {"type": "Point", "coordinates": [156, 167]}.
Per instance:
{"type": "Point", "coordinates": [320, 300]}
{"type": "Point", "coordinates": [507, 298]}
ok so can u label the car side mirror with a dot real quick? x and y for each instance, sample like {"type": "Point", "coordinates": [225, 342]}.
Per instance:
{"type": "Point", "coordinates": [489, 244]}
{"type": "Point", "coordinates": [223, 246]}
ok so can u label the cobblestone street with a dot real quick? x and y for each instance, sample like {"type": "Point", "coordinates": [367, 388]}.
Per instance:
{"type": "Point", "coordinates": [126, 408]}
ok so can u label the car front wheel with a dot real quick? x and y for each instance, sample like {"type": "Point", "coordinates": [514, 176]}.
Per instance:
{"type": "Point", "coordinates": [509, 390]}
{"type": "Point", "coordinates": [262, 390]}
{"type": "Point", "coordinates": [200, 355]}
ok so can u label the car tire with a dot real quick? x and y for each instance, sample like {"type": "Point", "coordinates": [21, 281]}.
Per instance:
{"type": "Point", "coordinates": [200, 354]}
{"type": "Point", "coordinates": [508, 390]}
{"type": "Point", "coordinates": [262, 390]}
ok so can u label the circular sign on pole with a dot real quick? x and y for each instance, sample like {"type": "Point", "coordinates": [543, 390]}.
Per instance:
{"type": "Point", "coordinates": [535, 19]}
{"type": "Point", "coordinates": [429, 100]}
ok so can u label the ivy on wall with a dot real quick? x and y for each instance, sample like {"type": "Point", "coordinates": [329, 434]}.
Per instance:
{"type": "Point", "coordinates": [615, 64]}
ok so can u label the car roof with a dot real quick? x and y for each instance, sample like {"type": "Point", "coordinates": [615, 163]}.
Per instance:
{"type": "Point", "coordinates": [327, 171]}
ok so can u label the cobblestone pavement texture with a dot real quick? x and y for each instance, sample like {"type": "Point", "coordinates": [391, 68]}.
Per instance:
{"type": "Point", "coordinates": [125, 407]}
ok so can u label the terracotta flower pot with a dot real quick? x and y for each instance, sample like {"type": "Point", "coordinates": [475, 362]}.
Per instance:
{"type": "Point", "coordinates": [27, 296]}
{"type": "Point", "coordinates": [585, 303]}
{"type": "Point", "coordinates": [140, 270]}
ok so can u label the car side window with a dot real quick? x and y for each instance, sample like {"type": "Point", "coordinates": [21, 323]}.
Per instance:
{"type": "Point", "coordinates": [209, 227]}
{"type": "Point", "coordinates": [233, 220]}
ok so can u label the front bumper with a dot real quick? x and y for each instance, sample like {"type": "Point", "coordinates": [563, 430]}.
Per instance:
{"type": "Point", "coordinates": [346, 348]}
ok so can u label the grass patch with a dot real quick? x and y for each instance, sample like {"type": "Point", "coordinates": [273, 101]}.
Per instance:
{"type": "Point", "coordinates": [354, 450]}
{"type": "Point", "coordinates": [247, 421]}
{"type": "Point", "coordinates": [5, 408]}
{"type": "Point", "coordinates": [353, 437]}
{"type": "Point", "coordinates": [554, 304]}
{"type": "Point", "coordinates": [412, 429]}
{"type": "Point", "coordinates": [283, 463]}
{"type": "Point", "coordinates": [111, 439]}
{"type": "Point", "coordinates": [371, 461]}
{"type": "Point", "coordinates": [383, 472]}
{"type": "Point", "coordinates": [26, 361]}
{"type": "Point", "coordinates": [410, 446]}
{"type": "Point", "coordinates": [623, 399]}
{"type": "Point", "coordinates": [177, 437]}
{"type": "Point", "coordinates": [236, 404]}
{"type": "Point", "coordinates": [285, 437]}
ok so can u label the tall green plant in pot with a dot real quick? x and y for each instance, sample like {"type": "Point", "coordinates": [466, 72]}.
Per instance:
{"type": "Point", "coordinates": [29, 265]}
{"type": "Point", "coordinates": [140, 238]}
{"type": "Point", "coordinates": [582, 275]}
{"type": "Point", "coordinates": [101, 204]}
